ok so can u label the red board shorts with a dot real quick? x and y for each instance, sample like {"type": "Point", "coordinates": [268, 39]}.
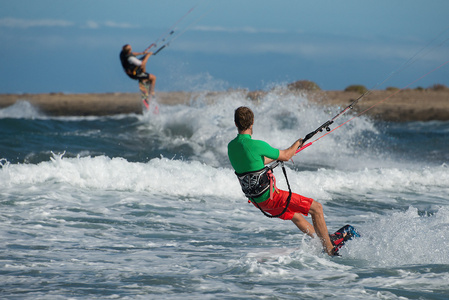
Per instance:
{"type": "Point", "coordinates": [276, 205]}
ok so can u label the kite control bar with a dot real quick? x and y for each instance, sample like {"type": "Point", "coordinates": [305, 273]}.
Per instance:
{"type": "Point", "coordinates": [158, 50]}
{"type": "Point", "coordinates": [319, 129]}
{"type": "Point", "coordinates": [311, 134]}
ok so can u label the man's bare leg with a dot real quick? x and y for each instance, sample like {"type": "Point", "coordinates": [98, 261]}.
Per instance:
{"type": "Point", "coordinates": [303, 224]}
{"type": "Point", "coordinates": [152, 80]}
{"type": "Point", "coordinates": [143, 88]}
{"type": "Point", "coordinates": [144, 62]}
{"type": "Point", "coordinates": [319, 224]}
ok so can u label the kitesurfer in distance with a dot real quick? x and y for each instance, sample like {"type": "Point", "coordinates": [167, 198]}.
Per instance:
{"type": "Point", "coordinates": [248, 157]}
{"type": "Point", "coordinates": [135, 68]}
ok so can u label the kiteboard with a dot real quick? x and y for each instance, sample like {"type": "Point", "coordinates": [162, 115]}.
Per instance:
{"type": "Point", "coordinates": [341, 236]}
{"type": "Point", "coordinates": [146, 96]}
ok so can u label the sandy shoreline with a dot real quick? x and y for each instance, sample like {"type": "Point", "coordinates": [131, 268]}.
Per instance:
{"type": "Point", "coordinates": [407, 105]}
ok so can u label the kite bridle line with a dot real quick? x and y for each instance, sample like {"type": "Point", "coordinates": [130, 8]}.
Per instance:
{"type": "Point", "coordinates": [410, 61]}
{"type": "Point", "coordinates": [170, 31]}
{"type": "Point", "coordinates": [172, 37]}
{"type": "Point", "coordinates": [350, 106]}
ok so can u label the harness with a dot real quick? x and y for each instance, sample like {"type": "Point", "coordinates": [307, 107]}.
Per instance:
{"type": "Point", "coordinates": [129, 68]}
{"type": "Point", "coordinates": [254, 184]}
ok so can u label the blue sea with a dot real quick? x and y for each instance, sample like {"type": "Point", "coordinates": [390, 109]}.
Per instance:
{"type": "Point", "coordinates": [147, 206]}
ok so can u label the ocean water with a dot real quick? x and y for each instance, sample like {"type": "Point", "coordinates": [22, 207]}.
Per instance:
{"type": "Point", "coordinates": [148, 207]}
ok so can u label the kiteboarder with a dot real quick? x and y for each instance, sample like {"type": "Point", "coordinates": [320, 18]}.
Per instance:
{"type": "Point", "coordinates": [135, 68]}
{"type": "Point", "coordinates": [248, 157]}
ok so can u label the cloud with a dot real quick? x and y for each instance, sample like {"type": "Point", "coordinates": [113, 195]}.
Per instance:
{"type": "Point", "coordinates": [119, 25]}
{"type": "Point", "coordinates": [22, 23]}
{"type": "Point", "coordinates": [91, 25]}
{"type": "Point", "coordinates": [322, 48]}
{"type": "Point", "coordinates": [247, 29]}
{"type": "Point", "coordinates": [108, 24]}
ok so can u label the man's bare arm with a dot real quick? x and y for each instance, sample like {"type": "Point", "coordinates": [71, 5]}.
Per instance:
{"type": "Point", "coordinates": [287, 154]}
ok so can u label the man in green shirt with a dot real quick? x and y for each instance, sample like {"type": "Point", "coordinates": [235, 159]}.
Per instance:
{"type": "Point", "coordinates": [247, 156]}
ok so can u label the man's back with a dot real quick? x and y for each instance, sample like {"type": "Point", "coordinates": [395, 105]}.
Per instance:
{"type": "Point", "coordinates": [247, 155]}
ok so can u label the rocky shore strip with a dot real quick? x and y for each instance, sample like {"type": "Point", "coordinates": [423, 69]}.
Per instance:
{"type": "Point", "coordinates": [405, 105]}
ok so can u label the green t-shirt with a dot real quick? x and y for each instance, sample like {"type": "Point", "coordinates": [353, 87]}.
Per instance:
{"type": "Point", "coordinates": [247, 155]}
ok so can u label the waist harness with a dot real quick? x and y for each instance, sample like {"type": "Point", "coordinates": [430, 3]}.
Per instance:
{"type": "Point", "coordinates": [129, 68]}
{"type": "Point", "coordinates": [254, 184]}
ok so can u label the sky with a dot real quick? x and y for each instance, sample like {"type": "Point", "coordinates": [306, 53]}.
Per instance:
{"type": "Point", "coordinates": [72, 46]}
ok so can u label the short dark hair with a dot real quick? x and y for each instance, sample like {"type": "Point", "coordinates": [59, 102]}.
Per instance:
{"type": "Point", "coordinates": [126, 48]}
{"type": "Point", "coordinates": [243, 118]}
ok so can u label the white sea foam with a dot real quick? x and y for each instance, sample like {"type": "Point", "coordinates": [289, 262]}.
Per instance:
{"type": "Point", "coordinates": [21, 110]}
{"type": "Point", "coordinates": [404, 238]}
{"type": "Point", "coordinates": [208, 127]}
{"type": "Point", "coordinates": [192, 178]}
{"type": "Point", "coordinates": [160, 175]}
{"type": "Point", "coordinates": [178, 226]}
